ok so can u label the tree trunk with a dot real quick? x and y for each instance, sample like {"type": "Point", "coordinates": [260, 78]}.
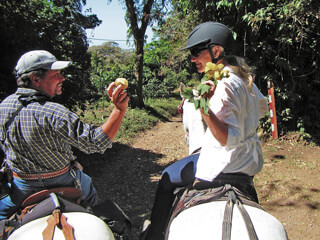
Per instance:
{"type": "Point", "coordinates": [139, 70]}
{"type": "Point", "coordinates": [139, 34]}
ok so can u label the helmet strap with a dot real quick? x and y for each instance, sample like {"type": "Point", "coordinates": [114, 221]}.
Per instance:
{"type": "Point", "coordinates": [213, 59]}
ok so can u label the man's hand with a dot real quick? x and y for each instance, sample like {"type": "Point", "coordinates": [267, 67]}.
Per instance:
{"type": "Point", "coordinates": [118, 97]}
{"type": "Point", "coordinates": [120, 100]}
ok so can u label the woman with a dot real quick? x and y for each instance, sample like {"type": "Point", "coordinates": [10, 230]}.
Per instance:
{"type": "Point", "coordinates": [230, 150]}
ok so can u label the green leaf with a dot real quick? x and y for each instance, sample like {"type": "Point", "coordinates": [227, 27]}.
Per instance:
{"type": "Point", "coordinates": [187, 93]}
{"type": "Point", "coordinates": [204, 78]}
{"type": "Point", "coordinates": [203, 102]}
{"type": "Point", "coordinates": [204, 89]}
{"type": "Point", "coordinates": [206, 110]}
{"type": "Point", "coordinates": [196, 103]}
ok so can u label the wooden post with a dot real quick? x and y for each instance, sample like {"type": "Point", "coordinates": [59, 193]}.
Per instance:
{"type": "Point", "coordinates": [273, 115]}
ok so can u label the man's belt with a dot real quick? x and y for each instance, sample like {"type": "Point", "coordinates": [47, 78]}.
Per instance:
{"type": "Point", "coordinates": [35, 176]}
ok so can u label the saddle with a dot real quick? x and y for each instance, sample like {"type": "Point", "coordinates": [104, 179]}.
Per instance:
{"type": "Point", "coordinates": [45, 203]}
{"type": "Point", "coordinates": [69, 193]}
{"type": "Point", "coordinates": [189, 197]}
{"type": "Point", "coordinates": [55, 202]}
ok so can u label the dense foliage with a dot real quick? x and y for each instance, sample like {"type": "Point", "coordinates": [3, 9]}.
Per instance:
{"type": "Point", "coordinates": [139, 15]}
{"type": "Point", "coordinates": [289, 33]}
{"type": "Point", "coordinates": [57, 26]}
{"type": "Point", "coordinates": [136, 119]}
{"type": "Point", "coordinates": [278, 39]}
{"type": "Point", "coordinates": [109, 62]}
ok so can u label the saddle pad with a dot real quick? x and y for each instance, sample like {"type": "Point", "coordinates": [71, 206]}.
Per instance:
{"type": "Point", "coordinates": [46, 207]}
{"type": "Point", "coordinates": [193, 197]}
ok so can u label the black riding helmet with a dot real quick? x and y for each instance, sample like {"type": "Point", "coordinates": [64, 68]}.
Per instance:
{"type": "Point", "coordinates": [208, 34]}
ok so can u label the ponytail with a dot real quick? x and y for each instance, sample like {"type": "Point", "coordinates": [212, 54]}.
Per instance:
{"type": "Point", "coordinates": [240, 68]}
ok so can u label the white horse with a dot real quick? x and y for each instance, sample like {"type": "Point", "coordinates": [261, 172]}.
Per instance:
{"type": "Point", "coordinates": [223, 219]}
{"type": "Point", "coordinates": [58, 219]}
{"type": "Point", "coordinates": [207, 220]}
{"type": "Point", "coordinates": [85, 226]}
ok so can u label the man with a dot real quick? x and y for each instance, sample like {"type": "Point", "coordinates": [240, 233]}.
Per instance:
{"type": "Point", "coordinates": [37, 134]}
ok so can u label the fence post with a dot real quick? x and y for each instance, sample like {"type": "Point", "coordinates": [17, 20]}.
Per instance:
{"type": "Point", "coordinates": [272, 105]}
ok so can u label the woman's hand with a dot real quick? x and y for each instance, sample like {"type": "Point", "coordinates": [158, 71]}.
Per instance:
{"type": "Point", "coordinates": [118, 97]}
{"type": "Point", "coordinates": [212, 88]}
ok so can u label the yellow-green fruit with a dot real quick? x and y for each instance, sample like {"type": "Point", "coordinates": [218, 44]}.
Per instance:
{"type": "Point", "coordinates": [217, 75]}
{"type": "Point", "coordinates": [220, 66]}
{"type": "Point", "coordinates": [225, 73]}
{"type": "Point", "coordinates": [121, 81]}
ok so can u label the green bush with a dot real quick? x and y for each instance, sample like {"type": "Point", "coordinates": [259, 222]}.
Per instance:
{"type": "Point", "coordinates": [136, 120]}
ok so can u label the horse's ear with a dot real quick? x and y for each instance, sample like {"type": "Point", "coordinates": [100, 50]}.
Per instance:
{"type": "Point", "coordinates": [182, 87]}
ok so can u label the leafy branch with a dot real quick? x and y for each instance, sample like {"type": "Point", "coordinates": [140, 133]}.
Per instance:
{"type": "Point", "coordinates": [198, 96]}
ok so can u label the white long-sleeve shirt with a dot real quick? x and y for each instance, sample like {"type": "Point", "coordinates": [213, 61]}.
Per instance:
{"type": "Point", "coordinates": [240, 110]}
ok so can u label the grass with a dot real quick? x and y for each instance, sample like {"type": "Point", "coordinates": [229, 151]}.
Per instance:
{"type": "Point", "coordinates": [136, 120]}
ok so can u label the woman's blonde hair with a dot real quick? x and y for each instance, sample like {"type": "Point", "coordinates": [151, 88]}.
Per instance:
{"type": "Point", "coordinates": [240, 68]}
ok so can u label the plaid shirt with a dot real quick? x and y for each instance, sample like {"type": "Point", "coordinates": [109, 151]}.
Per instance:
{"type": "Point", "coordinates": [40, 137]}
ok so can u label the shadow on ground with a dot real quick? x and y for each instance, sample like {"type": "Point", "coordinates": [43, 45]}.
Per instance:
{"type": "Point", "coordinates": [292, 195]}
{"type": "Point", "coordinates": [124, 174]}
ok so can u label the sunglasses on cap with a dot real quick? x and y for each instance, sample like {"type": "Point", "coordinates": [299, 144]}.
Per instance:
{"type": "Point", "coordinates": [195, 52]}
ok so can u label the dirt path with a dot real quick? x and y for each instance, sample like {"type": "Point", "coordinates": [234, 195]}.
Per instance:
{"type": "Point", "coordinates": [288, 186]}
